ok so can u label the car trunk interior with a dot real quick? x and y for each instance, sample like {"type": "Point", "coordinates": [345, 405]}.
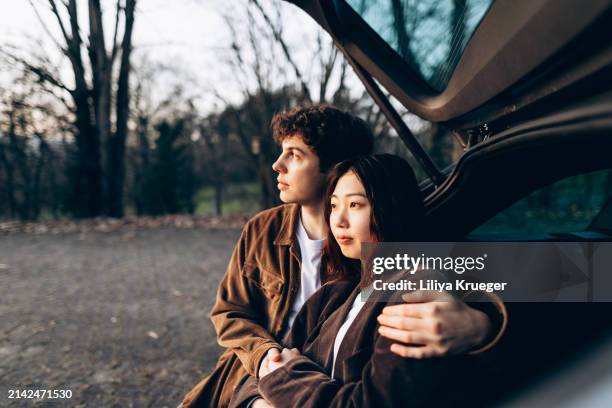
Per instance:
{"type": "Point", "coordinates": [577, 140]}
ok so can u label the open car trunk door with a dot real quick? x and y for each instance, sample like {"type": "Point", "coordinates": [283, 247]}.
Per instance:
{"type": "Point", "coordinates": [501, 45]}
{"type": "Point", "coordinates": [478, 67]}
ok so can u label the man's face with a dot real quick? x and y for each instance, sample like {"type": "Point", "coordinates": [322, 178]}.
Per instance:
{"type": "Point", "coordinates": [299, 178]}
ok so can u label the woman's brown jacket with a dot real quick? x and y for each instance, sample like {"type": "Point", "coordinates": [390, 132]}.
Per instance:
{"type": "Point", "coordinates": [253, 301]}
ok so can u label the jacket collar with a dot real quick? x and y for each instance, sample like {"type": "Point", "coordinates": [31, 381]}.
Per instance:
{"type": "Point", "coordinates": [288, 228]}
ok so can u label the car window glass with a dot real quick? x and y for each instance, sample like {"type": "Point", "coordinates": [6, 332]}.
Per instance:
{"type": "Point", "coordinates": [429, 35]}
{"type": "Point", "coordinates": [569, 205]}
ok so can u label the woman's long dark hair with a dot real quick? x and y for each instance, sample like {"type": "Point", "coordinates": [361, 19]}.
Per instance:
{"type": "Point", "coordinates": [397, 206]}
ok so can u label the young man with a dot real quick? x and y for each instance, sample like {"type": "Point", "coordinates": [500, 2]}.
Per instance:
{"type": "Point", "coordinates": [276, 265]}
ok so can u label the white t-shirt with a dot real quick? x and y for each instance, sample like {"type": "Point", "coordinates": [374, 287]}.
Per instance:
{"type": "Point", "coordinates": [358, 303]}
{"type": "Point", "coordinates": [310, 279]}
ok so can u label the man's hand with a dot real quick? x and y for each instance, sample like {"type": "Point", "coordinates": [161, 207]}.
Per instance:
{"type": "Point", "coordinates": [433, 324]}
{"type": "Point", "coordinates": [261, 403]}
{"type": "Point", "coordinates": [273, 355]}
{"type": "Point", "coordinates": [285, 356]}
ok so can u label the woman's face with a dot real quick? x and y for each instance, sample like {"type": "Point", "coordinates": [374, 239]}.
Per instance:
{"type": "Point", "coordinates": [350, 215]}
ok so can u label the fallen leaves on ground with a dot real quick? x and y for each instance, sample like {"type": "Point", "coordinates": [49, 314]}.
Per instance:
{"type": "Point", "coordinates": [128, 224]}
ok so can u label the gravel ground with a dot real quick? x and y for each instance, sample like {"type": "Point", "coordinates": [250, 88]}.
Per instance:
{"type": "Point", "coordinates": [119, 318]}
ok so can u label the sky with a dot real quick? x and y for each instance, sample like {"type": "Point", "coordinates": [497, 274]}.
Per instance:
{"type": "Point", "coordinates": [190, 34]}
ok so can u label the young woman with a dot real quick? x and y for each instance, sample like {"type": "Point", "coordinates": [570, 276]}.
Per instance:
{"type": "Point", "coordinates": [335, 355]}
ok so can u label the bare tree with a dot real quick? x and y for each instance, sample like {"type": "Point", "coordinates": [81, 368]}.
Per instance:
{"type": "Point", "coordinates": [28, 163]}
{"type": "Point", "coordinates": [99, 135]}
{"type": "Point", "coordinates": [264, 61]}
{"type": "Point", "coordinates": [150, 106]}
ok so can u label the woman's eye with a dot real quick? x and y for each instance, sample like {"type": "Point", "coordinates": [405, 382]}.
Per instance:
{"type": "Point", "coordinates": [355, 205]}
{"type": "Point", "coordinates": [333, 206]}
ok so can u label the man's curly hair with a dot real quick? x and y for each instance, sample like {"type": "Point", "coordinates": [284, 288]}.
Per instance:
{"type": "Point", "coordinates": [332, 134]}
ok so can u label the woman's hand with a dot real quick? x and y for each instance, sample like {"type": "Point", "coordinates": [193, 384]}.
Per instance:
{"type": "Point", "coordinates": [261, 403]}
{"type": "Point", "coordinates": [273, 355]}
{"type": "Point", "coordinates": [433, 324]}
{"type": "Point", "coordinates": [285, 356]}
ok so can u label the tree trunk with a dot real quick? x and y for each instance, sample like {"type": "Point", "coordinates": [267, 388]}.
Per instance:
{"type": "Point", "coordinates": [140, 169]}
{"type": "Point", "coordinates": [218, 198]}
{"type": "Point", "coordinates": [268, 185]}
{"type": "Point", "coordinates": [116, 154]}
{"type": "Point", "coordinates": [86, 174]}
{"type": "Point", "coordinates": [401, 31]}
{"type": "Point", "coordinates": [20, 158]}
{"type": "Point", "coordinates": [101, 67]}
{"type": "Point", "coordinates": [458, 25]}
{"type": "Point", "coordinates": [36, 204]}
{"type": "Point", "coordinates": [441, 146]}
{"type": "Point", "coordinates": [10, 181]}
{"type": "Point", "coordinates": [87, 182]}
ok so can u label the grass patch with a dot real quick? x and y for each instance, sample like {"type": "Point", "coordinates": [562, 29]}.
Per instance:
{"type": "Point", "coordinates": [237, 199]}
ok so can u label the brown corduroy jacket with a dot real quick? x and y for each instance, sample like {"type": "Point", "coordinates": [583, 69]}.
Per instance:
{"type": "Point", "coordinates": [367, 373]}
{"type": "Point", "coordinates": [253, 302]}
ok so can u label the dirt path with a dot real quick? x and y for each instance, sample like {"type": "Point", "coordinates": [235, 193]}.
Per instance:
{"type": "Point", "coordinates": [119, 318]}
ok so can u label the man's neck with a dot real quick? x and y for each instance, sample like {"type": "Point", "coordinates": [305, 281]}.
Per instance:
{"type": "Point", "coordinates": [313, 220]}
